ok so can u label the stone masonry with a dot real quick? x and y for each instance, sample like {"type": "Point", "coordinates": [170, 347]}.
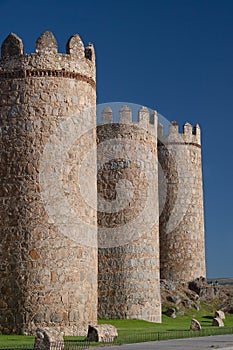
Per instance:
{"type": "Point", "coordinates": [91, 217]}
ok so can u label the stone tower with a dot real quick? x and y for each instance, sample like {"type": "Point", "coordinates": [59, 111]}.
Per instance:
{"type": "Point", "coordinates": [128, 229]}
{"type": "Point", "coordinates": [182, 247]}
{"type": "Point", "coordinates": [48, 272]}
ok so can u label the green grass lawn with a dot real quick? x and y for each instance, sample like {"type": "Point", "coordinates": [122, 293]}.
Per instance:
{"type": "Point", "coordinates": [15, 340]}
{"type": "Point", "coordinates": [131, 327]}
{"type": "Point", "coordinates": [204, 316]}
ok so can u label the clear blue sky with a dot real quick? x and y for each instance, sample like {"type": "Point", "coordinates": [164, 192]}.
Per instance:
{"type": "Point", "coordinates": [175, 56]}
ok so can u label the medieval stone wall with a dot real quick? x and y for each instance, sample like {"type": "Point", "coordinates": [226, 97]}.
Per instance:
{"type": "Point", "coordinates": [182, 247]}
{"type": "Point", "coordinates": [48, 273]}
{"type": "Point", "coordinates": [128, 230]}
{"type": "Point", "coordinates": [61, 178]}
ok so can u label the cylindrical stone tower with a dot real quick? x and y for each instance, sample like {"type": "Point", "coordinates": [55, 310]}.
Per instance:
{"type": "Point", "coordinates": [48, 246]}
{"type": "Point", "coordinates": [181, 225]}
{"type": "Point", "coordinates": [128, 231]}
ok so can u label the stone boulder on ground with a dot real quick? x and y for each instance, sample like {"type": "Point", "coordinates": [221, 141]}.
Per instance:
{"type": "Point", "coordinates": [174, 299]}
{"type": "Point", "coordinates": [171, 313]}
{"type": "Point", "coordinates": [195, 325]}
{"type": "Point", "coordinates": [187, 303]}
{"type": "Point", "coordinates": [48, 338]}
{"type": "Point", "coordinates": [217, 322]}
{"type": "Point", "coordinates": [227, 304]}
{"type": "Point", "coordinates": [102, 333]}
{"type": "Point", "coordinates": [198, 284]}
{"type": "Point", "coordinates": [220, 314]}
{"type": "Point", "coordinates": [205, 290]}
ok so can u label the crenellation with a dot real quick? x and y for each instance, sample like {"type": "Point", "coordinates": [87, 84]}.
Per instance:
{"type": "Point", "coordinates": [106, 116]}
{"type": "Point", "coordinates": [187, 129]}
{"type": "Point", "coordinates": [11, 46]}
{"type": "Point", "coordinates": [154, 118]}
{"type": "Point", "coordinates": [75, 47]}
{"type": "Point", "coordinates": [197, 134]}
{"type": "Point", "coordinates": [160, 131]}
{"type": "Point", "coordinates": [143, 117]}
{"type": "Point", "coordinates": [173, 128]}
{"type": "Point", "coordinates": [46, 44]}
{"type": "Point", "coordinates": [189, 135]}
{"type": "Point", "coordinates": [188, 132]}
{"type": "Point", "coordinates": [146, 120]}
{"type": "Point", "coordinates": [153, 123]}
{"type": "Point", "coordinates": [125, 115]}
{"type": "Point", "coordinates": [90, 52]}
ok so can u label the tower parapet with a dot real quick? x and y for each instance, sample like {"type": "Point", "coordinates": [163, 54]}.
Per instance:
{"type": "Point", "coordinates": [78, 63]}
{"type": "Point", "coordinates": [188, 135]}
{"type": "Point", "coordinates": [145, 119]}
{"type": "Point", "coordinates": [48, 273]}
{"type": "Point", "coordinates": [182, 251]}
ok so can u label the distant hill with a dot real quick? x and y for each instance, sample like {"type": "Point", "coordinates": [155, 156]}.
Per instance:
{"type": "Point", "coordinates": [221, 280]}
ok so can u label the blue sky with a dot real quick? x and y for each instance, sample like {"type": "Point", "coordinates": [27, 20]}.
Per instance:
{"type": "Point", "coordinates": [175, 56]}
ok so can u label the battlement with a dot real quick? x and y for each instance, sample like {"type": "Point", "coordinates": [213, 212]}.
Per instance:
{"type": "Point", "coordinates": [189, 134]}
{"type": "Point", "coordinates": [78, 62]}
{"type": "Point", "coordinates": [145, 119]}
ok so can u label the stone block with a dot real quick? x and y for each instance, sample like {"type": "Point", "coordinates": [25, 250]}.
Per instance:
{"type": "Point", "coordinates": [102, 333]}
{"type": "Point", "coordinates": [220, 314]}
{"type": "Point", "coordinates": [217, 322]}
{"type": "Point", "coordinates": [195, 325]}
{"type": "Point", "coordinates": [47, 338]}
{"type": "Point", "coordinates": [171, 313]}
{"type": "Point", "coordinates": [174, 299]}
